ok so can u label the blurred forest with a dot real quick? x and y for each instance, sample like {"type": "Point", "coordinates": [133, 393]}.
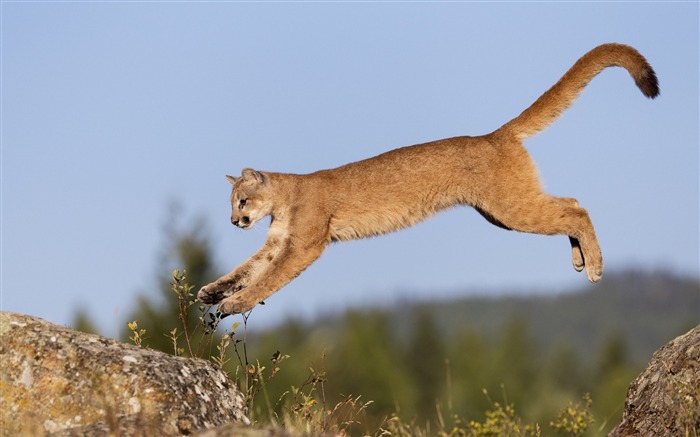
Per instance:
{"type": "Point", "coordinates": [427, 361]}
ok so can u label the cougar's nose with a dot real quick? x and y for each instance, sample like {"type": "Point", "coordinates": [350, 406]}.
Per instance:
{"type": "Point", "coordinates": [244, 221]}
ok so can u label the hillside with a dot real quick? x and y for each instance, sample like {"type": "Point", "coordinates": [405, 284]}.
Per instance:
{"type": "Point", "coordinates": [643, 309]}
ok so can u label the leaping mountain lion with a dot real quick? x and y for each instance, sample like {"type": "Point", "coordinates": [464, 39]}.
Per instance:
{"type": "Point", "coordinates": [492, 173]}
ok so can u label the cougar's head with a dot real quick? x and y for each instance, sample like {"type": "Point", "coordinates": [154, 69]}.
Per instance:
{"type": "Point", "coordinates": [249, 198]}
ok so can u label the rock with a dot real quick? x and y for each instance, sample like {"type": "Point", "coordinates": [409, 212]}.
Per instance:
{"type": "Point", "coordinates": [59, 381]}
{"type": "Point", "coordinates": [665, 399]}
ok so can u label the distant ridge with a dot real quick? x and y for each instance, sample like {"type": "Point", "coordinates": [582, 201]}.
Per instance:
{"type": "Point", "coordinates": [643, 308]}
{"type": "Point", "coordinates": [640, 307]}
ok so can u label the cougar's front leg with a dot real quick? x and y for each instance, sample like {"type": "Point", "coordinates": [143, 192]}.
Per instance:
{"type": "Point", "coordinates": [285, 266]}
{"type": "Point", "coordinates": [240, 277]}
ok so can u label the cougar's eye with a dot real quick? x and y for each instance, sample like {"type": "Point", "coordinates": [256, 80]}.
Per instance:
{"type": "Point", "coordinates": [241, 203]}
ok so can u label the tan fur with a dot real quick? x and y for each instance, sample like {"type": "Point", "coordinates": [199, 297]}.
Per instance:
{"type": "Point", "coordinates": [492, 173]}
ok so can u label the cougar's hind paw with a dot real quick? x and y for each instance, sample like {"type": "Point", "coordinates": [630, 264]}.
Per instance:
{"type": "Point", "coordinates": [594, 274]}
{"type": "Point", "coordinates": [577, 255]}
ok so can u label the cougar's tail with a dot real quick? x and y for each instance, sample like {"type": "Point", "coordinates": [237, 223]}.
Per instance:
{"type": "Point", "coordinates": [560, 96]}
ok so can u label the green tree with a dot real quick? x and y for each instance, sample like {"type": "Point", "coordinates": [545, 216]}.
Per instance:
{"type": "Point", "coordinates": [467, 373]}
{"type": "Point", "coordinates": [158, 311]}
{"type": "Point", "coordinates": [513, 364]}
{"type": "Point", "coordinates": [425, 362]}
{"type": "Point", "coordinates": [83, 322]}
{"type": "Point", "coordinates": [613, 355]}
{"type": "Point", "coordinates": [366, 361]}
{"type": "Point", "coordinates": [564, 369]}
{"type": "Point", "coordinates": [613, 375]}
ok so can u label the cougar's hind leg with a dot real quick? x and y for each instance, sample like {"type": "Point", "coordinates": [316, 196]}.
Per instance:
{"type": "Point", "coordinates": [548, 215]}
{"type": "Point", "coordinates": [576, 253]}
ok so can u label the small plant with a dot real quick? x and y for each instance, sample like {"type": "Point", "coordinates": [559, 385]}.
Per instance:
{"type": "Point", "coordinates": [198, 339]}
{"type": "Point", "coordinates": [306, 410]}
{"type": "Point", "coordinates": [221, 359]}
{"type": "Point", "coordinates": [685, 394]}
{"type": "Point", "coordinates": [500, 420]}
{"type": "Point", "coordinates": [254, 376]}
{"type": "Point", "coordinates": [183, 291]}
{"type": "Point", "coordinates": [304, 406]}
{"type": "Point", "coordinates": [574, 420]}
{"type": "Point", "coordinates": [174, 337]}
{"type": "Point", "coordinates": [207, 322]}
{"type": "Point", "coordinates": [137, 335]}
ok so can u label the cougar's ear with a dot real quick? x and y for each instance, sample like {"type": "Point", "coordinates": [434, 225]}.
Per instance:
{"type": "Point", "coordinates": [231, 179]}
{"type": "Point", "coordinates": [250, 174]}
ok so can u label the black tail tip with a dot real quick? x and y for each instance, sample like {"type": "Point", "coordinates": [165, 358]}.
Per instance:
{"type": "Point", "coordinates": [649, 83]}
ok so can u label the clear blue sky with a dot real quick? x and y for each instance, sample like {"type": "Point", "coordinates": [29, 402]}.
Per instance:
{"type": "Point", "coordinates": [112, 110]}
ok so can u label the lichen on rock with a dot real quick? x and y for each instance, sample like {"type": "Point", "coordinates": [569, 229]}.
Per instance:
{"type": "Point", "coordinates": [664, 400]}
{"type": "Point", "coordinates": [55, 379]}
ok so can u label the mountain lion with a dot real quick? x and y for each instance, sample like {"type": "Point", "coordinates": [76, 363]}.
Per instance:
{"type": "Point", "coordinates": [492, 173]}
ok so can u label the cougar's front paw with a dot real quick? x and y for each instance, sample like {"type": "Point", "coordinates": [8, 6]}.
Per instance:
{"type": "Point", "coordinates": [236, 304]}
{"type": "Point", "coordinates": [216, 291]}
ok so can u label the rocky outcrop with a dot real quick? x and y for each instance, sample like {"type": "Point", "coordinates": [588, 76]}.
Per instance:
{"type": "Point", "coordinates": [59, 381]}
{"type": "Point", "coordinates": [665, 399]}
